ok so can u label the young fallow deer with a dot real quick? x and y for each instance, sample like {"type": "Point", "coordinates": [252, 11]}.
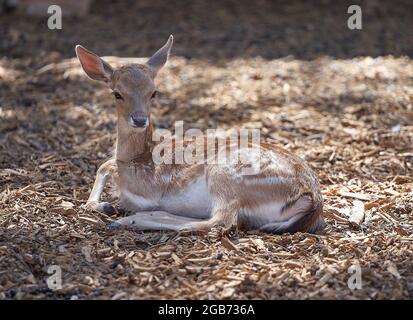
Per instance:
{"type": "Point", "coordinates": [282, 196]}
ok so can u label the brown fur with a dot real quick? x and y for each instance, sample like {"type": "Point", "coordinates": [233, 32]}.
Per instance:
{"type": "Point", "coordinates": [283, 178]}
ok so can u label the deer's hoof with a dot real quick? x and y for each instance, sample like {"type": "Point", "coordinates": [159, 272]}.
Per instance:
{"type": "Point", "coordinates": [115, 225]}
{"type": "Point", "coordinates": [108, 209]}
{"type": "Point", "coordinates": [123, 211]}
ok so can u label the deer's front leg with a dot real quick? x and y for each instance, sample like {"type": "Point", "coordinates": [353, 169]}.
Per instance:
{"type": "Point", "coordinates": [105, 171]}
{"type": "Point", "coordinates": [153, 220]}
{"type": "Point", "coordinates": [223, 215]}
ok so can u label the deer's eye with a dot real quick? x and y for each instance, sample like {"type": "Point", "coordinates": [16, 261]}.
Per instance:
{"type": "Point", "coordinates": [154, 94]}
{"type": "Point", "coordinates": [117, 95]}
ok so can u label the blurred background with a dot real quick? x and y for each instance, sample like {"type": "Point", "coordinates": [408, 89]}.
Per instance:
{"type": "Point", "coordinates": [269, 29]}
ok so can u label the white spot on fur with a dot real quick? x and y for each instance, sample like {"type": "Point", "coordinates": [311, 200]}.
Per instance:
{"type": "Point", "coordinates": [141, 203]}
{"type": "Point", "coordinates": [166, 178]}
{"type": "Point", "coordinates": [193, 201]}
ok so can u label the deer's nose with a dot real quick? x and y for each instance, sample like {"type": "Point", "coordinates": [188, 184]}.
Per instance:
{"type": "Point", "coordinates": [138, 121]}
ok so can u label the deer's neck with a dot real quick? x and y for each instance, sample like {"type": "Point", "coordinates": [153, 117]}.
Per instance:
{"type": "Point", "coordinates": [133, 145]}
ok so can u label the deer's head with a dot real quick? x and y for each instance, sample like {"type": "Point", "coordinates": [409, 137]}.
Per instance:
{"type": "Point", "coordinates": [132, 84]}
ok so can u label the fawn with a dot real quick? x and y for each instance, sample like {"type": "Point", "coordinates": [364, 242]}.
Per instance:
{"type": "Point", "coordinates": [282, 196]}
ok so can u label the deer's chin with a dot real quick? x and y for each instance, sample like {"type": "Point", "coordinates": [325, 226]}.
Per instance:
{"type": "Point", "coordinates": [138, 129]}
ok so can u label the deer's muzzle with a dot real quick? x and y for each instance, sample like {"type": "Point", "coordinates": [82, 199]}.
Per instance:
{"type": "Point", "coordinates": [138, 121]}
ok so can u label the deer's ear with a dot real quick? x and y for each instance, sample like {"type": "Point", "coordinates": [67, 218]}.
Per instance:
{"type": "Point", "coordinates": [94, 67]}
{"type": "Point", "coordinates": [159, 58]}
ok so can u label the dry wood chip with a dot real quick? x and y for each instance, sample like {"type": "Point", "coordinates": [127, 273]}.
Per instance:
{"type": "Point", "coordinates": [357, 213]}
{"type": "Point", "coordinates": [323, 280]}
{"type": "Point", "coordinates": [228, 244]}
{"type": "Point", "coordinates": [163, 254]}
{"type": "Point", "coordinates": [176, 258]}
{"type": "Point", "coordinates": [359, 196]}
{"type": "Point", "coordinates": [196, 269]}
{"type": "Point", "coordinates": [385, 217]}
{"type": "Point", "coordinates": [76, 235]}
{"type": "Point", "coordinates": [375, 204]}
{"type": "Point", "coordinates": [143, 268]}
{"type": "Point", "coordinates": [261, 264]}
{"type": "Point", "coordinates": [259, 243]}
{"type": "Point", "coordinates": [205, 259]}
{"type": "Point", "coordinates": [119, 296]}
{"type": "Point", "coordinates": [291, 263]}
{"type": "Point", "coordinates": [25, 188]}
{"type": "Point", "coordinates": [189, 286]}
{"type": "Point", "coordinates": [88, 219]}
{"type": "Point", "coordinates": [329, 213]}
{"type": "Point", "coordinates": [391, 267]}
{"type": "Point", "coordinates": [282, 255]}
{"type": "Point", "coordinates": [104, 250]}
{"type": "Point", "coordinates": [227, 293]}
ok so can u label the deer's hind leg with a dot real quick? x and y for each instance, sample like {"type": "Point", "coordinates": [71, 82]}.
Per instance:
{"type": "Point", "coordinates": [225, 214]}
{"type": "Point", "coordinates": [105, 171]}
